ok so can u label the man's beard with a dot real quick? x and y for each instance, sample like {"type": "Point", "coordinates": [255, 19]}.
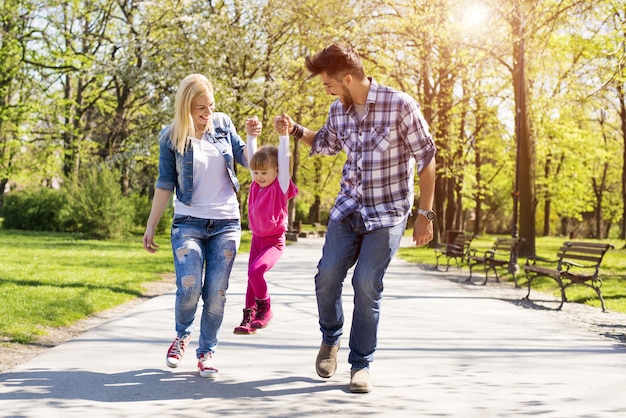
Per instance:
{"type": "Point", "coordinates": [346, 98]}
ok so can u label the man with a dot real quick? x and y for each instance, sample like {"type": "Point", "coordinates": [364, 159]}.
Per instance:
{"type": "Point", "coordinates": [383, 134]}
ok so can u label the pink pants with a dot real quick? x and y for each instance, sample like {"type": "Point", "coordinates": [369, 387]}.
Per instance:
{"type": "Point", "coordinates": [264, 254]}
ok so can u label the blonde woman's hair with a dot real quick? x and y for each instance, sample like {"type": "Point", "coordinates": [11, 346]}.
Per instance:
{"type": "Point", "coordinates": [190, 88]}
{"type": "Point", "coordinates": [265, 157]}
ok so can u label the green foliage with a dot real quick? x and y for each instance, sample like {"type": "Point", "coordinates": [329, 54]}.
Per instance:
{"type": "Point", "coordinates": [96, 205]}
{"type": "Point", "coordinates": [36, 209]}
{"type": "Point", "coordinates": [142, 206]}
{"type": "Point", "coordinates": [101, 86]}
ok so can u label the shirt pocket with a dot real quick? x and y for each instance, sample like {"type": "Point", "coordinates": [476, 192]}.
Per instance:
{"type": "Point", "coordinates": [380, 139]}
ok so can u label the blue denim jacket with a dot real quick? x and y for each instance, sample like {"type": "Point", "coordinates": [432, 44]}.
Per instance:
{"type": "Point", "coordinates": [176, 170]}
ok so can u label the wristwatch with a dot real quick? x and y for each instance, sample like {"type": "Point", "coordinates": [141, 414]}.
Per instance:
{"type": "Point", "coordinates": [428, 214]}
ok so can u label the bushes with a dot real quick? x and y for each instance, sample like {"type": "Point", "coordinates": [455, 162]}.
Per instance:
{"type": "Point", "coordinates": [96, 205]}
{"type": "Point", "coordinates": [34, 210]}
{"type": "Point", "coordinates": [93, 205]}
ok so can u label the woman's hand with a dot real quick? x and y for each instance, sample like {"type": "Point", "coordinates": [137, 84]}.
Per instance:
{"type": "Point", "coordinates": [253, 126]}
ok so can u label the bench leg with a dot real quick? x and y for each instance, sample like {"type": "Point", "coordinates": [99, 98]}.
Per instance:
{"type": "Point", "coordinates": [528, 280]}
{"type": "Point", "coordinates": [563, 297]}
{"type": "Point", "coordinates": [486, 274]}
{"type": "Point", "coordinates": [487, 268]}
{"type": "Point", "coordinates": [599, 292]}
{"type": "Point", "coordinates": [596, 289]}
{"type": "Point", "coordinates": [469, 279]}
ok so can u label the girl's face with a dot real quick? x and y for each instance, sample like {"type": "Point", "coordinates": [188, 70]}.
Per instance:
{"type": "Point", "coordinates": [265, 177]}
{"type": "Point", "coordinates": [201, 110]}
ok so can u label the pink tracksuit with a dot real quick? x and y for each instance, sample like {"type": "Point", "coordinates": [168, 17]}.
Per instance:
{"type": "Point", "coordinates": [267, 219]}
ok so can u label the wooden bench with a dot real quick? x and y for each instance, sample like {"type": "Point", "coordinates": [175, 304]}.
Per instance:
{"type": "Point", "coordinates": [320, 230]}
{"type": "Point", "coordinates": [457, 249]}
{"type": "Point", "coordinates": [502, 254]}
{"type": "Point", "coordinates": [576, 263]}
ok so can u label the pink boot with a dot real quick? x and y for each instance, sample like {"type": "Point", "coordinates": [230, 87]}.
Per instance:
{"type": "Point", "coordinates": [263, 313]}
{"type": "Point", "coordinates": [245, 328]}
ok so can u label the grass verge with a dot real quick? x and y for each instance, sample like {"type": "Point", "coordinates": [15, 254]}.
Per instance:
{"type": "Point", "coordinates": [55, 279]}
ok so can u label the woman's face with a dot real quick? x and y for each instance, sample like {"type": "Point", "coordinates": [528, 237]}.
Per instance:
{"type": "Point", "coordinates": [201, 110]}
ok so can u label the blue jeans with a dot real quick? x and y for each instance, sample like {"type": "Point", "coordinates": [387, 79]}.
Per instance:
{"type": "Point", "coordinates": [347, 242]}
{"type": "Point", "coordinates": [204, 253]}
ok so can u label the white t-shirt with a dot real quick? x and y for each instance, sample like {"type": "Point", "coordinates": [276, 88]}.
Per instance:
{"type": "Point", "coordinates": [213, 196]}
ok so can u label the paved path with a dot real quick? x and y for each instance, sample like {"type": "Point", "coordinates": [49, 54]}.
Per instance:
{"type": "Point", "coordinates": [444, 350]}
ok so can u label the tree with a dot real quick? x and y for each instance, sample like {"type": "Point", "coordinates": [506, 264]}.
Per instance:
{"type": "Point", "coordinates": [14, 27]}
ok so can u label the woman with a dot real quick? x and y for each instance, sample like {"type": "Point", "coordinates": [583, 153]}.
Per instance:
{"type": "Point", "coordinates": [197, 156]}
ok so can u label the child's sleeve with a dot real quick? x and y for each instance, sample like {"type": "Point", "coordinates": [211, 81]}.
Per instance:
{"type": "Point", "coordinates": [251, 145]}
{"type": "Point", "coordinates": [283, 163]}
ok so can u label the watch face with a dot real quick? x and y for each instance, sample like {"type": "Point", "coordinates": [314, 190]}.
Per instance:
{"type": "Point", "coordinates": [428, 214]}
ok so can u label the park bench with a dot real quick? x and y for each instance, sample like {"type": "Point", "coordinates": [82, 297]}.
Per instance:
{"type": "Point", "coordinates": [576, 263]}
{"type": "Point", "coordinates": [502, 254]}
{"type": "Point", "coordinates": [457, 249]}
{"type": "Point", "coordinates": [320, 230]}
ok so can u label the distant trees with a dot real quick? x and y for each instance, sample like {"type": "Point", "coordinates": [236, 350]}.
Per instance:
{"type": "Point", "coordinates": [90, 83]}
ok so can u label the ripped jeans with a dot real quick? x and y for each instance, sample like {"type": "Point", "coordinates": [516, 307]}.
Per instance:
{"type": "Point", "coordinates": [200, 246]}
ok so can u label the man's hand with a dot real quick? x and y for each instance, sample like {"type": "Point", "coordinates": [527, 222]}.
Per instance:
{"type": "Point", "coordinates": [422, 231]}
{"type": "Point", "coordinates": [283, 124]}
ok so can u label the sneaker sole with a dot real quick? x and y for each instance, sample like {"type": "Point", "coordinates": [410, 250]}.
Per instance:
{"type": "Point", "coordinates": [209, 374]}
{"type": "Point", "coordinates": [171, 365]}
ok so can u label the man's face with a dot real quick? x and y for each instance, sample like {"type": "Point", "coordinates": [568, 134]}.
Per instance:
{"type": "Point", "coordinates": [337, 88]}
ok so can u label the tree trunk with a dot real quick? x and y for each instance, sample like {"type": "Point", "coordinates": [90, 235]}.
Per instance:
{"type": "Point", "coordinates": [524, 193]}
{"type": "Point", "coordinates": [622, 113]}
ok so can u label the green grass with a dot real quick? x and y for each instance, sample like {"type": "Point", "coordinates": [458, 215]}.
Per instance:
{"type": "Point", "coordinates": [55, 279]}
{"type": "Point", "coordinates": [612, 270]}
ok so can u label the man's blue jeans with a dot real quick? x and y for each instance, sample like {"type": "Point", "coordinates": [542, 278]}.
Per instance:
{"type": "Point", "coordinates": [204, 253]}
{"type": "Point", "coordinates": [347, 243]}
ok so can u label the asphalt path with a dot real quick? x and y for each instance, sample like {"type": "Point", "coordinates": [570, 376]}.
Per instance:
{"type": "Point", "coordinates": [444, 350]}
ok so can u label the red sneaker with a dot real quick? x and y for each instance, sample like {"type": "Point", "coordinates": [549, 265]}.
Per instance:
{"type": "Point", "coordinates": [205, 366]}
{"type": "Point", "coordinates": [176, 351]}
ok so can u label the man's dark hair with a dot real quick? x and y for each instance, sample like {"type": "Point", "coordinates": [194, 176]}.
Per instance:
{"type": "Point", "coordinates": [336, 60]}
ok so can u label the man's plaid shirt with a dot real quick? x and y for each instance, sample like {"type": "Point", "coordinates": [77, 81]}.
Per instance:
{"type": "Point", "coordinates": [382, 150]}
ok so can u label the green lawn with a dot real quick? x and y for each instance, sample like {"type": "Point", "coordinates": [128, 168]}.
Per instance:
{"type": "Point", "coordinates": [612, 270]}
{"type": "Point", "coordinates": [54, 279]}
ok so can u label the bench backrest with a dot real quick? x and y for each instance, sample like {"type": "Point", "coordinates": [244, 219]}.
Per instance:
{"type": "Point", "coordinates": [587, 253]}
{"type": "Point", "coordinates": [505, 244]}
{"type": "Point", "coordinates": [460, 244]}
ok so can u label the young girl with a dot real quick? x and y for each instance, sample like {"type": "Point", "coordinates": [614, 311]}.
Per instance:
{"type": "Point", "coordinates": [270, 191]}
{"type": "Point", "coordinates": [198, 151]}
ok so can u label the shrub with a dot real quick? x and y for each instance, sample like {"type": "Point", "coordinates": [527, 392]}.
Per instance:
{"type": "Point", "coordinates": [142, 206]}
{"type": "Point", "coordinates": [96, 205]}
{"type": "Point", "coordinates": [35, 209]}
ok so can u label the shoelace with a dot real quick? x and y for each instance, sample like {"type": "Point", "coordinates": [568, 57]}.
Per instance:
{"type": "Point", "coordinates": [176, 349]}
{"type": "Point", "coordinates": [206, 361]}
